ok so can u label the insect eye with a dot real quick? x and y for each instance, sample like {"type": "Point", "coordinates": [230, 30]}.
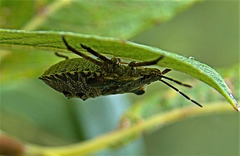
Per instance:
{"type": "Point", "coordinates": [66, 93]}
{"type": "Point", "coordinates": [80, 94]}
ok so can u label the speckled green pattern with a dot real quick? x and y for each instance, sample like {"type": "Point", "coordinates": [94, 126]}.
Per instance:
{"type": "Point", "coordinates": [71, 65]}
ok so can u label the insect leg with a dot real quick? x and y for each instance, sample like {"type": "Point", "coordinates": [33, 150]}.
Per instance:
{"type": "Point", "coordinates": [176, 81]}
{"type": "Point", "coordinates": [79, 53]}
{"type": "Point", "coordinates": [165, 71]}
{"type": "Point", "coordinates": [90, 50]}
{"type": "Point", "coordinates": [61, 55]}
{"type": "Point", "coordinates": [146, 63]}
{"type": "Point", "coordinates": [177, 90]}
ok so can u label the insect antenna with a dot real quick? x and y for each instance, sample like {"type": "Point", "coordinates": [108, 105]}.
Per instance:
{"type": "Point", "coordinates": [177, 90]}
{"type": "Point", "coordinates": [79, 53]}
{"type": "Point", "coordinates": [176, 81]}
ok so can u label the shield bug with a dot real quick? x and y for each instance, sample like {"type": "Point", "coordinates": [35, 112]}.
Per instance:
{"type": "Point", "coordinates": [88, 77]}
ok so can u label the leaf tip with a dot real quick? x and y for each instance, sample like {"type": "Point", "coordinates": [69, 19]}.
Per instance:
{"type": "Point", "coordinates": [235, 104]}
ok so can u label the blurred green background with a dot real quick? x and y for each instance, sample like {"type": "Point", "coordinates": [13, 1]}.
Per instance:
{"type": "Point", "coordinates": [208, 31]}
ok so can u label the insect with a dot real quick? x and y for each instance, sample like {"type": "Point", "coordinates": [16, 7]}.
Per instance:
{"type": "Point", "coordinates": [88, 77]}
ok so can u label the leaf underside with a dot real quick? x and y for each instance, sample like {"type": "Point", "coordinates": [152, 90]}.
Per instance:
{"type": "Point", "coordinates": [51, 41]}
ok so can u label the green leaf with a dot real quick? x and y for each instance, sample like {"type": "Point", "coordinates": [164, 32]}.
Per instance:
{"type": "Point", "coordinates": [118, 48]}
{"type": "Point", "coordinates": [108, 18]}
{"type": "Point", "coordinates": [14, 14]}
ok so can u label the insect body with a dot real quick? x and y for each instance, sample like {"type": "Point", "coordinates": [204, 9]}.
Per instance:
{"type": "Point", "coordinates": [87, 77]}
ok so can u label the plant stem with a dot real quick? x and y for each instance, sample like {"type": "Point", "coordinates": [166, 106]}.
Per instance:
{"type": "Point", "coordinates": [105, 141]}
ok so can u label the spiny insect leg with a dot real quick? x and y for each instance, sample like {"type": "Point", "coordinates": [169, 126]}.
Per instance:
{"type": "Point", "coordinates": [61, 55]}
{"type": "Point", "coordinates": [79, 53]}
{"type": "Point", "coordinates": [90, 50]}
{"type": "Point", "coordinates": [146, 63]}
{"type": "Point", "coordinates": [176, 81]}
{"type": "Point", "coordinates": [165, 71]}
{"type": "Point", "coordinates": [177, 90]}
